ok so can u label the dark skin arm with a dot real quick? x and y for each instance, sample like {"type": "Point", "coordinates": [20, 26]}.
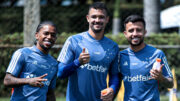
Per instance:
{"type": "Point", "coordinates": [165, 81]}
{"type": "Point", "coordinates": [12, 81]}
{"type": "Point", "coordinates": [51, 95]}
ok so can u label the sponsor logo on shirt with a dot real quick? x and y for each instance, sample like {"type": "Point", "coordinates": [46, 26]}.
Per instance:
{"type": "Point", "coordinates": [94, 68]}
{"type": "Point", "coordinates": [136, 78]}
{"type": "Point", "coordinates": [97, 53]}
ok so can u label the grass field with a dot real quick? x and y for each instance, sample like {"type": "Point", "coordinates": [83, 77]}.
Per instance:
{"type": "Point", "coordinates": [162, 98]}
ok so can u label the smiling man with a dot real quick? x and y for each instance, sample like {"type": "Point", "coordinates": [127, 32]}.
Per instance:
{"type": "Point", "coordinates": [32, 71]}
{"type": "Point", "coordinates": [88, 57]}
{"type": "Point", "coordinates": [136, 62]}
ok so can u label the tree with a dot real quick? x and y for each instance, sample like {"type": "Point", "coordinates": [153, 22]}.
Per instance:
{"type": "Point", "coordinates": [31, 20]}
{"type": "Point", "coordinates": [116, 19]}
{"type": "Point", "coordinates": [152, 16]}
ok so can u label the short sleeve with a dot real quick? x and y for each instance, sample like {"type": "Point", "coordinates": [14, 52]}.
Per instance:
{"type": "Point", "coordinates": [66, 55]}
{"type": "Point", "coordinates": [166, 69]}
{"type": "Point", "coordinates": [16, 63]}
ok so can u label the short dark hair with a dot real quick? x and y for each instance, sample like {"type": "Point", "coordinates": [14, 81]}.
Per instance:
{"type": "Point", "coordinates": [43, 24]}
{"type": "Point", "coordinates": [99, 5]}
{"type": "Point", "coordinates": [46, 23]}
{"type": "Point", "coordinates": [134, 18]}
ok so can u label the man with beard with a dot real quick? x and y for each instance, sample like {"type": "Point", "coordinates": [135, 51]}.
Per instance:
{"type": "Point", "coordinates": [135, 64]}
{"type": "Point", "coordinates": [88, 57]}
{"type": "Point", "coordinates": [32, 71]}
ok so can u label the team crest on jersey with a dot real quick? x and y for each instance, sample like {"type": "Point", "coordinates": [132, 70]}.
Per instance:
{"type": "Point", "coordinates": [34, 62]}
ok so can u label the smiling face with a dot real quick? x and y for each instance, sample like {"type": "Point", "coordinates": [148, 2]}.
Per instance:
{"type": "Point", "coordinates": [97, 19]}
{"type": "Point", "coordinates": [135, 32]}
{"type": "Point", "coordinates": [46, 38]}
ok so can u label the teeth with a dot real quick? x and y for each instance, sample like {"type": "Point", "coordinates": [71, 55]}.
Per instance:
{"type": "Point", "coordinates": [47, 42]}
{"type": "Point", "coordinates": [135, 39]}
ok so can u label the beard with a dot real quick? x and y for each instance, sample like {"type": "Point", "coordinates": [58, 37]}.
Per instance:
{"type": "Point", "coordinates": [45, 48]}
{"type": "Point", "coordinates": [97, 30]}
{"type": "Point", "coordinates": [132, 44]}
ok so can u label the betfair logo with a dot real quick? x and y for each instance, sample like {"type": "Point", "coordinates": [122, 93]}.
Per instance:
{"type": "Point", "coordinates": [94, 68]}
{"type": "Point", "coordinates": [136, 78]}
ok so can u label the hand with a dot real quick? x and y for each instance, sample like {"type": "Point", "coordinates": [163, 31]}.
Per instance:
{"type": "Point", "coordinates": [107, 95]}
{"type": "Point", "coordinates": [37, 81]}
{"type": "Point", "coordinates": [84, 57]}
{"type": "Point", "coordinates": [156, 74]}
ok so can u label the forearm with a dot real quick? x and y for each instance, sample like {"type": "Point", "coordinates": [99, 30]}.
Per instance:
{"type": "Point", "coordinates": [166, 82]}
{"type": "Point", "coordinates": [11, 81]}
{"type": "Point", "coordinates": [114, 82]}
{"type": "Point", "coordinates": [51, 95]}
{"type": "Point", "coordinates": [66, 70]}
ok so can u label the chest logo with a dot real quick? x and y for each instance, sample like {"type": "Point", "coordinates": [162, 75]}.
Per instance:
{"type": "Point", "coordinates": [97, 53]}
{"type": "Point", "coordinates": [125, 63]}
{"type": "Point", "coordinates": [34, 62]}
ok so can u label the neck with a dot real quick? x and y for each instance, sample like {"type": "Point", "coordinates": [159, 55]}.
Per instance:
{"type": "Point", "coordinates": [137, 48]}
{"type": "Point", "coordinates": [41, 49]}
{"type": "Point", "coordinates": [97, 36]}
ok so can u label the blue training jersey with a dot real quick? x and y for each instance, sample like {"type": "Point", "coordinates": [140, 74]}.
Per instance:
{"type": "Point", "coordinates": [86, 83]}
{"type": "Point", "coordinates": [135, 68]}
{"type": "Point", "coordinates": [30, 62]}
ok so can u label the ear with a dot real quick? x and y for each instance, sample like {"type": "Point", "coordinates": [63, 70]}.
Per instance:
{"type": "Point", "coordinates": [145, 31]}
{"type": "Point", "coordinates": [87, 17]}
{"type": "Point", "coordinates": [107, 19]}
{"type": "Point", "coordinates": [37, 36]}
{"type": "Point", "coordinates": [125, 33]}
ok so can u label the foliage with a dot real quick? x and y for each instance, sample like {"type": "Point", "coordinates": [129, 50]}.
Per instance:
{"type": "Point", "coordinates": [67, 18]}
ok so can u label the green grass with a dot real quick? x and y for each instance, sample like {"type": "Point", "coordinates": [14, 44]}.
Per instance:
{"type": "Point", "coordinates": [4, 99]}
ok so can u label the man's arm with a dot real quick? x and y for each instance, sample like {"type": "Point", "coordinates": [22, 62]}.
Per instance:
{"type": "Point", "coordinates": [51, 95]}
{"type": "Point", "coordinates": [114, 85]}
{"type": "Point", "coordinates": [66, 70]}
{"type": "Point", "coordinates": [165, 81]}
{"type": "Point", "coordinates": [12, 81]}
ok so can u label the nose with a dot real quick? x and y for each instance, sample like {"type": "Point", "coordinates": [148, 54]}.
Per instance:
{"type": "Point", "coordinates": [49, 36]}
{"type": "Point", "coordinates": [97, 19]}
{"type": "Point", "coordinates": [135, 33]}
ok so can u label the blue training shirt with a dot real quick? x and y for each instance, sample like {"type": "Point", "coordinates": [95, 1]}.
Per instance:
{"type": "Point", "coordinates": [86, 82]}
{"type": "Point", "coordinates": [135, 68]}
{"type": "Point", "coordinates": [30, 62]}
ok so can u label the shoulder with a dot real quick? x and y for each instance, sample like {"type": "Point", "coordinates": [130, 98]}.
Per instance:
{"type": "Point", "coordinates": [155, 50]}
{"type": "Point", "coordinates": [25, 50]}
{"type": "Point", "coordinates": [78, 36]}
{"type": "Point", "coordinates": [74, 39]}
{"type": "Point", "coordinates": [125, 51]}
{"type": "Point", "coordinates": [111, 43]}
